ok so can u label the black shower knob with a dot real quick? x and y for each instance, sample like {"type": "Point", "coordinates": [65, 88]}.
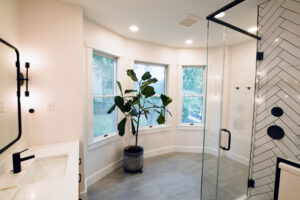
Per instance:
{"type": "Point", "coordinates": [277, 112]}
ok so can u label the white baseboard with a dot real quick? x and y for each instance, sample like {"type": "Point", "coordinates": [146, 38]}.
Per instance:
{"type": "Point", "coordinates": [244, 197]}
{"type": "Point", "coordinates": [158, 152]}
{"type": "Point", "coordinates": [186, 149]}
{"type": "Point", "coordinates": [103, 172]}
{"type": "Point", "coordinates": [212, 151]}
{"type": "Point", "coordinates": [83, 195]}
{"type": "Point", "coordinates": [110, 168]}
{"type": "Point", "coordinates": [236, 157]}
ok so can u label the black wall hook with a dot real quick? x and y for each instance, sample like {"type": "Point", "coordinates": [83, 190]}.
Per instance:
{"type": "Point", "coordinates": [31, 110]}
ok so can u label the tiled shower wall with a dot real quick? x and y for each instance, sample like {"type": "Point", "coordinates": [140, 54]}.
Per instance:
{"type": "Point", "coordinates": [278, 86]}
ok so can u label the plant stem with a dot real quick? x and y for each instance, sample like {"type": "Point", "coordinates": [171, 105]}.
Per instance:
{"type": "Point", "coordinates": [137, 130]}
{"type": "Point", "coordinates": [138, 122]}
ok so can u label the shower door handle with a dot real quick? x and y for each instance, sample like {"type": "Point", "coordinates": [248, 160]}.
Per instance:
{"type": "Point", "coordinates": [229, 140]}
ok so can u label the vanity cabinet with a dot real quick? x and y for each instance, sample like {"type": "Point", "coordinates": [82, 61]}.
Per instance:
{"type": "Point", "coordinates": [52, 174]}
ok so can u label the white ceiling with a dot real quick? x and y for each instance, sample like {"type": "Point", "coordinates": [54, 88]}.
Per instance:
{"type": "Point", "coordinates": [157, 19]}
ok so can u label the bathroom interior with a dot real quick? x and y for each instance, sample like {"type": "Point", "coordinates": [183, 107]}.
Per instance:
{"type": "Point", "coordinates": [223, 119]}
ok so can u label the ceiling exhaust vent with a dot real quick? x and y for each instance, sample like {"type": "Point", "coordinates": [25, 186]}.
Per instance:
{"type": "Point", "coordinates": [189, 20]}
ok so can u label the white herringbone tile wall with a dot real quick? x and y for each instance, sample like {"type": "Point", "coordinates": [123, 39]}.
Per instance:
{"type": "Point", "coordinates": [278, 86]}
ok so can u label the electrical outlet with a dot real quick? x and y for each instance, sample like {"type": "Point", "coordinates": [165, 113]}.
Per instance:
{"type": "Point", "coordinates": [51, 105]}
{"type": "Point", "coordinates": [2, 107]}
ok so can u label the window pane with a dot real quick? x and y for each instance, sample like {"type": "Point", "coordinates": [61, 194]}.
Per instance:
{"type": "Point", "coordinates": [103, 75]}
{"type": "Point", "coordinates": [103, 123]}
{"type": "Point", "coordinates": [192, 81]}
{"type": "Point", "coordinates": [192, 110]}
{"type": "Point", "coordinates": [156, 71]}
{"type": "Point", "coordinates": [152, 116]}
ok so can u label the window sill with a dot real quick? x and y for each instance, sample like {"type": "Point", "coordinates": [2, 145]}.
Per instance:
{"type": "Point", "coordinates": [187, 127]}
{"type": "Point", "coordinates": [101, 141]}
{"type": "Point", "coordinates": [156, 129]}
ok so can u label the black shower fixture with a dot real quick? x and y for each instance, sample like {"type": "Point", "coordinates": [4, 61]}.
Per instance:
{"type": "Point", "coordinates": [276, 132]}
{"type": "Point", "coordinates": [277, 112]}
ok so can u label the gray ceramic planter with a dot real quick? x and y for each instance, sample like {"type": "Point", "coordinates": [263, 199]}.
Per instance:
{"type": "Point", "coordinates": [133, 159]}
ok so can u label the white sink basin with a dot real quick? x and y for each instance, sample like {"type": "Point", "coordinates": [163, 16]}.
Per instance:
{"type": "Point", "coordinates": [47, 168]}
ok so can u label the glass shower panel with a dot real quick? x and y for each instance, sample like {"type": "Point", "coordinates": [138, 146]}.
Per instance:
{"type": "Point", "coordinates": [237, 114]}
{"type": "Point", "coordinates": [231, 64]}
{"type": "Point", "coordinates": [213, 110]}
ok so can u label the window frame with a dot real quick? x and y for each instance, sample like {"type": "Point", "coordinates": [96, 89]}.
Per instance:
{"type": "Point", "coordinates": [180, 124]}
{"type": "Point", "coordinates": [91, 141]}
{"type": "Point", "coordinates": [107, 96]}
{"type": "Point", "coordinates": [165, 126]}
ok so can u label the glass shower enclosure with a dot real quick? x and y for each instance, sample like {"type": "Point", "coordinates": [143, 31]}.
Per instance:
{"type": "Point", "coordinates": [229, 110]}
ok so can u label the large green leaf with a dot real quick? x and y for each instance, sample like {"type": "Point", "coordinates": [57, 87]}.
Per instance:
{"type": "Point", "coordinates": [119, 101]}
{"type": "Point", "coordinates": [120, 87]}
{"type": "Point", "coordinates": [133, 127]}
{"type": "Point", "coordinates": [161, 118]}
{"type": "Point", "coordinates": [143, 87]}
{"type": "Point", "coordinates": [150, 81]}
{"type": "Point", "coordinates": [111, 109]}
{"type": "Point", "coordinates": [121, 126]}
{"type": "Point", "coordinates": [127, 107]}
{"type": "Point", "coordinates": [132, 74]}
{"type": "Point", "coordinates": [133, 112]}
{"type": "Point", "coordinates": [135, 100]}
{"type": "Point", "coordinates": [148, 91]}
{"type": "Point", "coordinates": [130, 91]}
{"type": "Point", "coordinates": [165, 99]}
{"type": "Point", "coordinates": [146, 76]}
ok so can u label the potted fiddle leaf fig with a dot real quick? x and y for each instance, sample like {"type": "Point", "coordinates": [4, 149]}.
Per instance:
{"type": "Point", "coordinates": [135, 104]}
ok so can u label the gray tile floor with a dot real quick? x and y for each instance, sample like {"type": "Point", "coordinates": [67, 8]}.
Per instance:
{"type": "Point", "coordinates": [174, 176]}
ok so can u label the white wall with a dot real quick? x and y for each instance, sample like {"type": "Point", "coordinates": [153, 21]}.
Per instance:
{"type": "Point", "coordinates": [239, 103]}
{"type": "Point", "coordinates": [52, 43]}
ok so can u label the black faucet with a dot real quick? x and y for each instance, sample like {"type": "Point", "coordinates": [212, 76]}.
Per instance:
{"type": "Point", "coordinates": [17, 161]}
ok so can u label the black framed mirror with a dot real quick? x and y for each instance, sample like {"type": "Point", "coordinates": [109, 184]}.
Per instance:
{"type": "Point", "coordinates": [10, 95]}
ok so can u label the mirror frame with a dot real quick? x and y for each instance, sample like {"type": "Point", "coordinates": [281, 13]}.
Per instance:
{"type": "Point", "coordinates": [18, 95]}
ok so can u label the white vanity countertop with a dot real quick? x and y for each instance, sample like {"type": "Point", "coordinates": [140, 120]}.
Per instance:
{"type": "Point", "coordinates": [61, 188]}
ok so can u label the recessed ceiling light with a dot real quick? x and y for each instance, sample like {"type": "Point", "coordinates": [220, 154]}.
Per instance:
{"type": "Point", "coordinates": [252, 29]}
{"type": "Point", "coordinates": [134, 28]}
{"type": "Point", "coordinates": [189, 42]}
{"type": "Point", "coordinates": [220, 15]}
